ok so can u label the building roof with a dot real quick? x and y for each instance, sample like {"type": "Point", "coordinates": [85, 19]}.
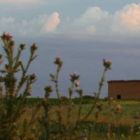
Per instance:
{"type": "Point", "coordinates": [123, 81]}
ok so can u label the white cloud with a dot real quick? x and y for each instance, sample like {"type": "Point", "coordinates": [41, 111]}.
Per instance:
{"type": "Point", "coordinates": [127, 20]}
{"type": "Point", "coordinates": [52, 22]}
{"type": "Point", "coordinates": [86, 23]}
{"type": "Point", "coordinates": [33, 27]}
{"type": "Point", "coordinates": [94, 14]}
{"type": "Point", "coordinates": [95, 21]}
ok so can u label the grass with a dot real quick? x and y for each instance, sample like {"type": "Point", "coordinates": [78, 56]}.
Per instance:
{"type": "Point", "coordinates": [121, 123]}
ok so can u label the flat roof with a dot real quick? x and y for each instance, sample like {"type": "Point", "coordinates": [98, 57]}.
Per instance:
{"type": "Point", "coordinates": [123, 81]}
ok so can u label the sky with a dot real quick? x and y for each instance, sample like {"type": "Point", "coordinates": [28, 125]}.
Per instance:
{"type": "Point", "coordinates": [82, 32]}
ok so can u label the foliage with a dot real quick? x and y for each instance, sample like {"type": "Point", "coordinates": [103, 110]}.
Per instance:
{"type": "Point", "coordinates": [13, 91]}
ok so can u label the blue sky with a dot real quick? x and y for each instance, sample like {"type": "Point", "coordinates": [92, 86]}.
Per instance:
{"type": "Point", "coordinates": [82, 32]}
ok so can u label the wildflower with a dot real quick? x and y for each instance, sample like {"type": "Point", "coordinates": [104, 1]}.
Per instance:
{"type": "Point", "coordinates": [118, 108]}
{"type": "Point", "coordinates": [107, 64]}
{"type": "Point", "coordinates": [58, 61]}
{"type": "Point", "coordinates": [74, 76]}
{"type": "Point", "coordinates": [48, 89]}
{"type": "Point", "coordinates": [32, 77]}
{"type": "Point", "coordinates": [33, 48]}
{"type": "Point", "coordinates": [6, 37]}
{"type": "Point", "coordinates": [22, 46]}
{"type": "Point", "coordinates": [77, 84]}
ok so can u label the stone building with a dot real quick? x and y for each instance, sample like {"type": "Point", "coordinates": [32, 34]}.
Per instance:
{"type": "Point", "coordinates": [120, 89]}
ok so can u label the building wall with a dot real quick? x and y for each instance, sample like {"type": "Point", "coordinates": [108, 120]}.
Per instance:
{"type": "Point", "coordinates": [127, 89]}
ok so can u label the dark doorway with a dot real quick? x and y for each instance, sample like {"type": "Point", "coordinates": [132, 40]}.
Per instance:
{"type": "Point", "coordinates": [118, 96]}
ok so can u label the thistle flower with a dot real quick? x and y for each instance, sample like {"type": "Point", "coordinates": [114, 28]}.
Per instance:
{"type": "Point", "coordinates": [58, 61]}
{"type": "Point", "coordinates": [22, 46]}
{"type": "Point", "coordinates": [6, 37]}
{"type": "Point", "coordinates": [32, 77]}
{"type": "Point", "coordinates": [48, 89]}
{"type": "Point", "coordinates": [33, 48]}
{"type": "Point", "coordinates": [77, 84]}
{"type": "Point", "coordinates": [74, 76]}
{"type": "Point", "coordinates": [118, 108]}
{"type": "Point", "coordinates": [107, 64]}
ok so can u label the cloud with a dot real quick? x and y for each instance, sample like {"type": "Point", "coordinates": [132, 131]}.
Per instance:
{"type": "Point", "coordinates": [95, 21]}
{"type": "Point", "coordinates": [127, 19]}
{"type": "Point", "coordinates": [52, 22]}
{"type": "Point", "coordinates": [40, 25]}
{"type": "Point", "coordinates": [86, 23]}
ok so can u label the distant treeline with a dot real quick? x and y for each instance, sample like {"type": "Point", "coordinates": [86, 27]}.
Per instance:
{"type": "Point", "coordinates": [54, 101]}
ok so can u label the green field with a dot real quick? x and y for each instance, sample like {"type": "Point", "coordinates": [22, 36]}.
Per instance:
{"type": "Point", "coordinates": [103, 123]}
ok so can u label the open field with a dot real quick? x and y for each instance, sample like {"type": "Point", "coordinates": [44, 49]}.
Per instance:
{"type": "Point", "coordinates": [103, 123]}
